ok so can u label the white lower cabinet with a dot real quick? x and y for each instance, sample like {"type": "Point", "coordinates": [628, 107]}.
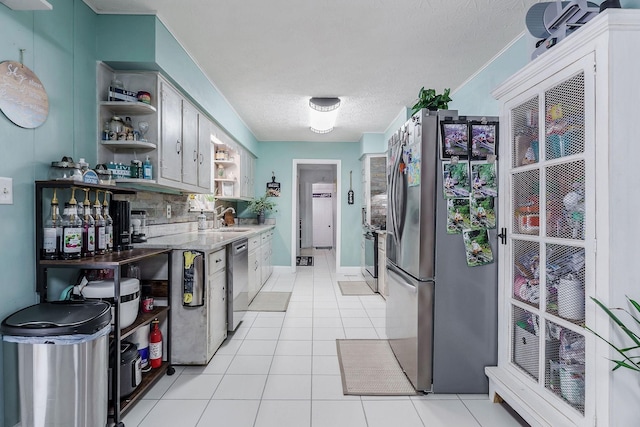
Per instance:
{"type": "Point", "coordinates": [267, 255]}
{"type": "Point", "coordinates": [217, 300]}
{"type": "Point", "coordinates": [254, 267]}
{"type": "Point", "coordinates": [260, 261]}
{"type": "Point", "coordinates": [198, 326]}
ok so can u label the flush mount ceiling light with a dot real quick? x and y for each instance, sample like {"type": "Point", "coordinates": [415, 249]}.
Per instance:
{"type": "Point", "coordinates": [324, 112]}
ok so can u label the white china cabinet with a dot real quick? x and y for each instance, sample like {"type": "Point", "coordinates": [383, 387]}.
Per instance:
{"type": "Point", "coordinates": [568, 211]}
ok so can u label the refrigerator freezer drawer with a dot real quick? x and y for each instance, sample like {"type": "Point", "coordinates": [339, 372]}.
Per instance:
{"type": "Point", "coordinates": [409, 325]}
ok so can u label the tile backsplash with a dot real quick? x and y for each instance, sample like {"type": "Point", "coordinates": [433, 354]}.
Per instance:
{"type": "Point", "coordinates": [181, 221]}
{"type": "Point", "coordinates": [155, 204]}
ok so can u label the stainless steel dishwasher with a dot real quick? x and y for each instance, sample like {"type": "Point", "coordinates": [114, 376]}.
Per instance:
{"type": "Point", "coordinates": [237, 282]}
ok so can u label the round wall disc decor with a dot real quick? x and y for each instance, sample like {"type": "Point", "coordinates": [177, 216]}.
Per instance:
{"type": "Point", "coordinates": [22, 96]}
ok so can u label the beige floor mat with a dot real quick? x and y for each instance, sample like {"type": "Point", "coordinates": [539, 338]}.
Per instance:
{"type": "Point", "coordinates": [369, 368]}
{"type": "Point", "coordinates": [270, 301]}
{"type": "Point", "coordinates": [355, 288]}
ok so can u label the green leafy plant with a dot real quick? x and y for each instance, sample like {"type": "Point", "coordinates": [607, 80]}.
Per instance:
{"type": "Point", "coordinates": [427, 98]}
{"type": "Point", "coordinates": [261, 204]}
{"type": "Point", "coordinates": [630, 355]}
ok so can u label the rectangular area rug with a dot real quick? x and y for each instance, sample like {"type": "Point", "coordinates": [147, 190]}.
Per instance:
{"type": "Point", "coordinates": [270, 301]}
{"type": "Point", "coordinates": [355, 288]}
{"type": "Point", "coordinates": [304, 261]}
{"type": "Point", "coordinates": [369, 368]}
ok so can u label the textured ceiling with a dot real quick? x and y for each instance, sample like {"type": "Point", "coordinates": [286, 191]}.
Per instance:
{"type": "Point", "coordinates": [269, 57]}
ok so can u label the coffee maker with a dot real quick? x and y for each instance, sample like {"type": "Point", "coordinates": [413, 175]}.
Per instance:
{"type": "Point", "coordinates": [120, 211]}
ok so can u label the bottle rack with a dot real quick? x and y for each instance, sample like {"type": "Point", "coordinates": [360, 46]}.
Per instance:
{"type": "Point", "coordinates": [115, 261]}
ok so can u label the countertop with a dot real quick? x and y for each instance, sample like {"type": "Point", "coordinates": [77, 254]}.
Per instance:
{"type": "Point", "coordinates": [208, 240]}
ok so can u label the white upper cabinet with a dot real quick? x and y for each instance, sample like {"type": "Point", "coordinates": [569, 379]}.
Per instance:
{"type": "Point", "coordinates": [204, 153]}
{"type": "Point", "coordinates": [177, 142]}
{"type": "Point", "coordinates": [171, 143]}
{"type": "Point", "coordinates": [190, 133]}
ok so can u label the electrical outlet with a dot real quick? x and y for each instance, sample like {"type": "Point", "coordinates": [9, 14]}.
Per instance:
{"type": "Point", "coordinates": [6, 191]}
{"type": "Point", "coordinates": [168, 211]}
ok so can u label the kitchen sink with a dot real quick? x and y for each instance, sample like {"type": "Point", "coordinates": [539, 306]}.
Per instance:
{"type": "Point", "coordinates": [230, 230]}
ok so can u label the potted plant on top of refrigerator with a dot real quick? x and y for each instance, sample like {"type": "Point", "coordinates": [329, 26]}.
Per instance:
{"type": "Point", "coordinates": [261, 205]}
{"type": "Point", "coordinates": [429, 99]}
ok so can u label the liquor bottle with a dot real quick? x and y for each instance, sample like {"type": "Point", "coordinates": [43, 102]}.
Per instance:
{"type": "Point", "coordinates": [108, 222]}
{"type": "Point", "coordinates": [71, 229]}
{"type": "Point", "coordinates": [101, 239]}
{"type": "Point", "coordinates": [155, 344]}
{"type": "Point", "coordinates": [88, 228]}
{"type": "Point", "coordinates": [52, 231]}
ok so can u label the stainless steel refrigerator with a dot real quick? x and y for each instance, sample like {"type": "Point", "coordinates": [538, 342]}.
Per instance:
{"type": "Point", "coordinates": [441, 314]}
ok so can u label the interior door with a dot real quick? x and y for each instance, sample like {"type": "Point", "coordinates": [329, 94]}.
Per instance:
{"type": "Point", "coordinates": [322, 207]}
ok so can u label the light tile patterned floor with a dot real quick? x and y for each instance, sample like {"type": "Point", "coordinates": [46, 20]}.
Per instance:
{"type": "Point", "coordinates": [281, 370]}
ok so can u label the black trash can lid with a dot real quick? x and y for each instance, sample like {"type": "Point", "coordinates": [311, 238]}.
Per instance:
{"type": "Point", "coordinates": [58, 318]}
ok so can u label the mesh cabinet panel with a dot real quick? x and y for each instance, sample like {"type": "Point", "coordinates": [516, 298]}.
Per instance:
{"type": "Point", "coordinates": [564, 118]}
{"type": "Point", "coordinates": [526, 272]}
{"type": "Point", "coordinates": [565, 282]}
{"type": "Point", "coordinates": [524, 128]}
{"type": "Point", "coordinates": [565, 195]}
{"type": "Point", "coordinates": [526, 342]}
{"type": "Point", "coordinates": [565, 364]}
{"type": "Point", "coordinates": [525, 202]}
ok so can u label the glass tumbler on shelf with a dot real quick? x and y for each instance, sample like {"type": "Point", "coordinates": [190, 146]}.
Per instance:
{"type": "Point", "coordinates": [144, 128]}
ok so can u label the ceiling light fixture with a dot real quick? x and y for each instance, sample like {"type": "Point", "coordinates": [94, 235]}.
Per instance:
{"type": "Point", "coordinates": [324, 112]}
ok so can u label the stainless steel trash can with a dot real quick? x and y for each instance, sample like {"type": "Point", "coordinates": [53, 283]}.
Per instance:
{"type": "Point", "coordinates": [62, 362]}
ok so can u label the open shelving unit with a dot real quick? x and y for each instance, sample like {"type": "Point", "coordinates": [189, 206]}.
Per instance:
{"type": "Point", "coordinates": [115, 261]}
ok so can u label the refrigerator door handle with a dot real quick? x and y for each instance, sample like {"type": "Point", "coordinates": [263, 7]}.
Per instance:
{"type": "Point", "coordinates": [391, 196]}
{"type": "Point", "coordinates": [396, 198]}
{"type": "Point", "coordinates": [402, 278]}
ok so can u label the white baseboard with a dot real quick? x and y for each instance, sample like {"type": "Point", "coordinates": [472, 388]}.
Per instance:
{"type": "Point", "coordinates": [283, 269]}
{"type": "Point", "coordinates": [350, 271]}
{"type": "Point", "coordinates": [346, 271]}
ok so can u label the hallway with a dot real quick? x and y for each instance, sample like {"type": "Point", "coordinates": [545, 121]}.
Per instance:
{"type": "Point", "coordinates": [281, 370]}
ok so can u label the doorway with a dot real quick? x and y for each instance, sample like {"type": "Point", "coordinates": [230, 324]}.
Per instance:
{"type": "Point", "coordinates": [323, 174]}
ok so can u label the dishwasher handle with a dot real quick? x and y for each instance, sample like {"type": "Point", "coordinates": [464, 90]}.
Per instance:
{"type": "Point", "coordinates": [239, 247]}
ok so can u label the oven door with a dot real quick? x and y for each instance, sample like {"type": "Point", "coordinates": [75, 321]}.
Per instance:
{"type": "Point", "coordinates": [371, 260]}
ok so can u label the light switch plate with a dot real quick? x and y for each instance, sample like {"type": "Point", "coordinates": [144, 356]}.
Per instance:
{"type": "Point", "coordinates": [6, 191]}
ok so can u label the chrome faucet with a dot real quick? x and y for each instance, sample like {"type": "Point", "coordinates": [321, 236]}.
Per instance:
{"type": "Point", "coordinates": [217, 216]}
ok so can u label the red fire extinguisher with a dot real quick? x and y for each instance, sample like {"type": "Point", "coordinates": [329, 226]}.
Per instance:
{"type": "Point", "coordinates": [155, 345]}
